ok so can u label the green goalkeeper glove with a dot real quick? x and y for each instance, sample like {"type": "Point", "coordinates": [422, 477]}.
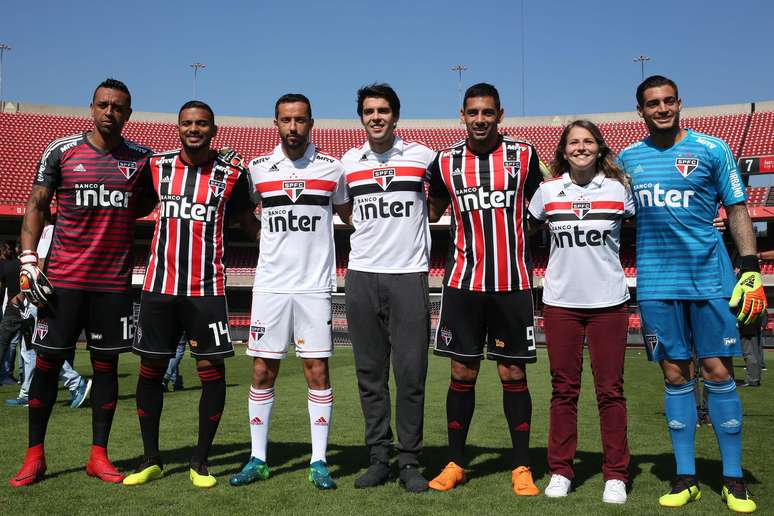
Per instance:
{"type": "Point", "coordinates": [748, 290]}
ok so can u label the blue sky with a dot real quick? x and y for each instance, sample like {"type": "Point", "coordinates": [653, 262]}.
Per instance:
{"type": "Point", "coordinates": [578, 54]}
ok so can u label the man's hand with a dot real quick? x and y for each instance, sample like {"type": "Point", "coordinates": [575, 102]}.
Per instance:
{"type": "Point", "coordinates": [32, 282]}
{"type": "Point", "coordinates": [748, 290]}
{"type": "Point", "coordinates": [230, 157]}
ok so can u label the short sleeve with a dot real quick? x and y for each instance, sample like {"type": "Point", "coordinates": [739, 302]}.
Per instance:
{"type": "Point", "coordinates": [729, 183]}
{"type": "Point", "coordinates": [437, 186]}
{"type": "Point", "coordinates": [628, 202]}
{"type": "Point", "coordinates": [341, 194]}
{"type": "Point", "coordinates": [49, 172]}
{"type": "Point", "coordinates": [537, 206]}
{"type": "Point", "coordinates": [534, 175]}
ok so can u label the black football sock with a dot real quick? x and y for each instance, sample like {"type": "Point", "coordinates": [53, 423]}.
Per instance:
{"type": "Point", "coordinates": [150, 401]}
{"type": "Point", "coordinates": [104, 395]}
{"type": "Point", "coordinates": [460, 403]}
{"type": "Point", "coordinates": [42, 396]}
{"type": "Point", "coordinates": [211, 403]}
{"type": "Point", "coordinates": [517, 404]}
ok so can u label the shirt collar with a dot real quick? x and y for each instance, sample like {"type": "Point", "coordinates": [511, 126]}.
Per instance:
{"type": "Point", "coordinates": [397, 148]}
{"type": "Point", "coordinates": [596, 181]}
{"type": "Point", "coordinates": [278, 155]}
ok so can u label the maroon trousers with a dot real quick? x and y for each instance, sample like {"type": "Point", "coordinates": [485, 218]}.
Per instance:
{"type": "Point", "coordinates": [605, 330]}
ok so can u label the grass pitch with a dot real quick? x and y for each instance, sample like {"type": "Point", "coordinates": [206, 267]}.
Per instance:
{"type": "Point", "coordinates": [67, 490]}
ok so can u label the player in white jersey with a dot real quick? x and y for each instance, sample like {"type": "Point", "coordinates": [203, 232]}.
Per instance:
{"type": "Point", "coordinates": [387, 291]}
{"type": "Point", "coordinates": [297, 186]}
{"type": "Point", "coordinates": [584, 296]}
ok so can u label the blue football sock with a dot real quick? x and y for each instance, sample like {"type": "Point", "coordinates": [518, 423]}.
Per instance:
{"type": "Point", "coordinates": [680, 410]}
{"type": "Point", "coordinates": [725, 410]}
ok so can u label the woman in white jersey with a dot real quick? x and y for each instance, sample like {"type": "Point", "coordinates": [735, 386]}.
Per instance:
{"type": "Point", "coordinates": [585, 294]}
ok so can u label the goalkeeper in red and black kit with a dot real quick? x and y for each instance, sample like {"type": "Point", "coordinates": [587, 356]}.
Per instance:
{"type": "Point", "coordinates": [101, 182]}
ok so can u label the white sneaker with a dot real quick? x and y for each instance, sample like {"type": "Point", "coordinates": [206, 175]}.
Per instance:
{"type": "Point", "coordinates": [558, 487]}
{"type": "Point", "coordinates": [615, 492]}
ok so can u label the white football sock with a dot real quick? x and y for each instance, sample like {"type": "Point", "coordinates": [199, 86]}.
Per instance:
{"type": "Point", "coordinates": [259, 408]}
{"type": "Point", "coordinates": [320, 404]}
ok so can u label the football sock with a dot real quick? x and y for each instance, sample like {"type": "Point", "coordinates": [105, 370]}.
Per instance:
{"type": "Point", "coordinates": [259, 405]}
{"type": "Point", "coordinates": [42, 396]}
{"type": "Point", "coordinates": [211, 403]}
{"type": "Point", "coordinates": [150, 401]}
{"type": "Point", "coordinates": [517, 404]}
{"type": "Point", "coordinates": [320, 405]}
{"type": "Point", "coordinates": [725, 410]}
{"type": "Point", "coordinates": [680, 411]}
{"type": "Point", "coordinates": [104, 395]}
{"type": "Point", "coordinates": [460, 403]}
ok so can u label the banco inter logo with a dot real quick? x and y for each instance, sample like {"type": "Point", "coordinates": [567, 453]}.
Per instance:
{"type": "Point", "coordinates": [179, 207]}
{"type": "Point", "coordinates": [478, 198]}
{"type": "Point", "coordinates": [95, 195]}
{"type": "Point", "coordinates": [652, 195]}
{"type": "Point", "coordinates": [564, 236]}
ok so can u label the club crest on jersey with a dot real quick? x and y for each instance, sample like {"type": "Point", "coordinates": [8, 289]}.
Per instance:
{"type": "Point", "coordinates": [384, 177]}
{"type": "Point", "coordinates": [217, 187]}
{"type": "Point", "coordinates": [581, 208]}
{"type": "Point", "coordinates": [686, 165]}
{"type": "Point", "coordinates": [512, 167]}
{"type": "Point", "coordinates": [127, 168]}
{"type": "Point", "coordinates": [294, 189]}
{"type": "Point", "coordinates": [41, 330]}
{"type": "Point", "coordinates": [256, 332]}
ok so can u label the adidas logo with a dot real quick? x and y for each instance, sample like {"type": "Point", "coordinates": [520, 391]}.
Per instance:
{"type": "Point", "coordinates": [256, 421]}
{"type": "Point", "coordinates": [456, 172]}
{"type": "Point", "coordinates": [321, 421]}
{"type": "Point", "coordinates": [364, 157]}
{"type": "Point", "coordinates": [79, 168]}
{"type": "Point", "coordinates": [637, 169]}
{"type": "Point", "coordinates": [561, 194]}
{"type": "Point", "coordinates": [274, 168]}
{"type": "Point", "coordinates": [166, 179]}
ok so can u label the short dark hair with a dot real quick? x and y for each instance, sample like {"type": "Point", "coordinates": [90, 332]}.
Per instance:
{"type": "Point", "coordinates": [113, 84]}
{"type": "Point", "coordinates": [654, 81]}
{"type": "Point", "coordinates": [287, 98]}
{"type": "Point", "coordinates": [197, 104]}
{"type": "Point", "coordinates": [482, 89]}
{"type": "Point", "coordinates": [379, 91]}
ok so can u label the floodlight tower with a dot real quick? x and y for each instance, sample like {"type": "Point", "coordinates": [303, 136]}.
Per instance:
{"type": "Point", "coordinates": [641, 60]}
{"type": "Point", "coordinates": [3, 48]}
{"type": "Point", "coordinates": [459, 69]}
{"type": "Point", "coordinates": [196, 67]}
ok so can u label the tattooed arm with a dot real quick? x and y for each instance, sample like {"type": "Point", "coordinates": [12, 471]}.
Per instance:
{"type": "Point", "coordinates": [38, 206]}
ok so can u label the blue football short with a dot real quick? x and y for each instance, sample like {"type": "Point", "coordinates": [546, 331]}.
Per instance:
{"type": "Point", "coordinates": [680, 329]}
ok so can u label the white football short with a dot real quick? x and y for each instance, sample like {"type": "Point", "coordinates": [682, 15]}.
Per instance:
{"type": "Point", "coordinates": [277, 320]}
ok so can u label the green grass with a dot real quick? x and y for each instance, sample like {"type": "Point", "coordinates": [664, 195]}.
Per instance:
{"type": "Point", "coordinates": [67, 490]}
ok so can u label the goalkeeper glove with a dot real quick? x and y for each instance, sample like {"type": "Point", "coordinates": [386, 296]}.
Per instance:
{"type": "Point", "coordinates": [230, 157]}
{"type": "Point", "coordinates": [32, 282]}
{"type": "Point", "coordinates": [748, 290]}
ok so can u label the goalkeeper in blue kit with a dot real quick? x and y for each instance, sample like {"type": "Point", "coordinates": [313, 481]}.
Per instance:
{"type": "Point", "coordinates": [689, 299]}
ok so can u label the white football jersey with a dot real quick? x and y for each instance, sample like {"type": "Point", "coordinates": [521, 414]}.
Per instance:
{"type": "Point", "coordinates": [296, 249]}
{"type": "Point", "coordinates": [584, 269]}
{"type": "Point", "coordinates": [389, 210]}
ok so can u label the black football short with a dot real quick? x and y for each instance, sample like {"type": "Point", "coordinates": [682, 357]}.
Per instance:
{"type": "Point", "coordinates": [502, 320]}
{"type": "Point", "coordinates": [165, 318]}
{"type": "Point", "coordinates": [107, 318]}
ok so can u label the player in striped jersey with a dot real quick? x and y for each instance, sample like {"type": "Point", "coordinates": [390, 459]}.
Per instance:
{"type": "Point", "coordinates": [685, 281]}
{"type": "Point", "coordinates": [101, 182]}
{"type": "Point", "coordinates": [487, 296]}
{"type": "Point", "coordinates": [387, 292]}
{"type": "Point", "coordinates": [184, 289]}
{"type": "Point", "coordinates": [298, 186]}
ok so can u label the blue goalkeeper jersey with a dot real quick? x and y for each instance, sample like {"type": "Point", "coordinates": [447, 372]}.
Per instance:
{"type": "Point", "coordinates": [677, 191]}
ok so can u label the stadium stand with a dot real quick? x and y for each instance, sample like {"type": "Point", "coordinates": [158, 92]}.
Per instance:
{"type": "Point", "coordinates": [760, 136]}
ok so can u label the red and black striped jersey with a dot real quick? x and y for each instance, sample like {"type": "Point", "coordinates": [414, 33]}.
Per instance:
{"type": "Point", "coordinates": [97, 198]}
{"type": "Point", "coordinates": [488, 194]}
{"type": "Point", "coordinates": [187, 249]}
